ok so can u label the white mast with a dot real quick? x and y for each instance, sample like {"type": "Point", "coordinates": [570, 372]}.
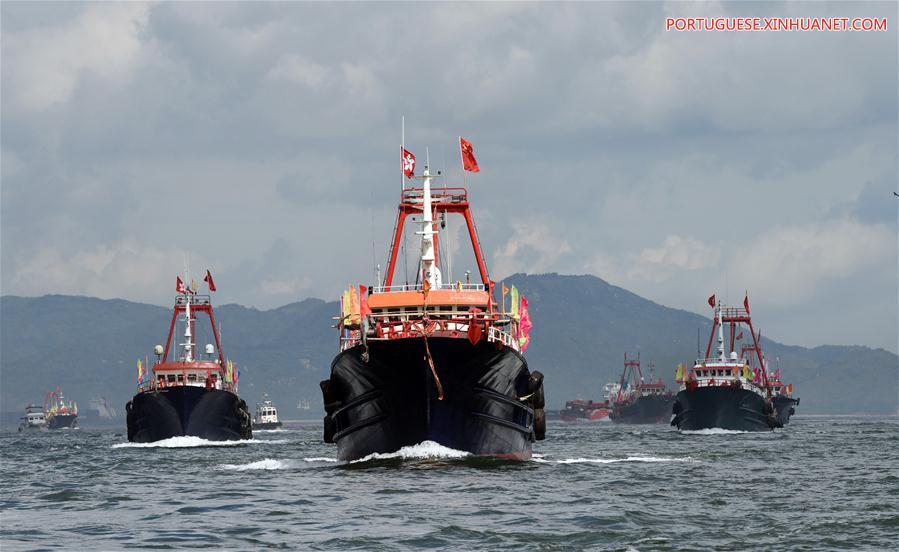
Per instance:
{"type": "Point", "coordinates": [429, 270]}
{"type": "Point", "coordinates": [720, 334]}
{"type": "Point", "coordinates": [188, 338]}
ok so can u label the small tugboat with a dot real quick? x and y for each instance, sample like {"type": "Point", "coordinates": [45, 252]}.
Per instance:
{"type": "Point", "coordinates": [34, 419]}
{"type": "Point", "coordinates": [266, 415]}
{"type": "Point", "coordinates": [60, 414]}
{"type": "Point", "coordinates": [639, 402]}
{"type": "Point", "coordinates": [724, 391]}
{"type": "Point", "coordinates": [435, 360]}
{"type": "Point", "coordinates": [192, 394]}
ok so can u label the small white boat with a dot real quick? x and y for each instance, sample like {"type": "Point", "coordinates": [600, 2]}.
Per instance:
{"type": "Point", "coordinates": [34, 419]}
{"type": "Point", "coordinates": [266, 415]}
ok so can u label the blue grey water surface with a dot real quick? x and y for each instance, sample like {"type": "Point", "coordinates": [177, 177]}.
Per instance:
{"type": "Point", "coordinates": [821, 483]}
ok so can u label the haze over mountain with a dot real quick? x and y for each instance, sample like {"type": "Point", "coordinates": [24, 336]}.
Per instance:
{"type": "Point", "coordinates": [582, 327]}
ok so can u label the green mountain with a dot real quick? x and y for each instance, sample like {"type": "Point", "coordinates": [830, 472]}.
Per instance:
{"type": "Point", "coordinates": [582, 327]}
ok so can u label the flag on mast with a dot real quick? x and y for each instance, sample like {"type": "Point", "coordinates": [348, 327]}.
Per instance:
{"type": "Point", "coordinates": [712, 301]}
{"type": "Point", "coordinates": [179, 285]}
{"type": "Point", "coordinates": [525, 326]}
{"type": "Point", "coordinates": [469, 163]}
{"type": "Point", "coordinates": [408, 162]}
{"type": "Point", "coordinates": [209, 281]}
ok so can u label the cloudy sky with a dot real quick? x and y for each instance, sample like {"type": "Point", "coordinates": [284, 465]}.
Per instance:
{"type": "Point", "coordinates": [261, 138]}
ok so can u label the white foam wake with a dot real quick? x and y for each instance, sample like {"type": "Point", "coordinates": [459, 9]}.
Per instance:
{"type": "Point", "coordinates": [188, 441]}
{"type": "Point", "coordinates": [266, 464]}
{"type": "Point", "coordinates": [320, 459]}
{"type": "Point", "coordinates": [712, 431]}
{"type": "Point", "coordinates": [612, 460]}
{"type": "Point", "coordinates": [423, 450]}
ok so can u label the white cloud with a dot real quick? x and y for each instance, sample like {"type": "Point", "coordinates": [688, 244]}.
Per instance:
{"type": "Point", "coordinates": [532, 247]}
{"type": "Point", "coordinates": [126, 268]}
{"type": "Point", "coordinates": [45, 63]}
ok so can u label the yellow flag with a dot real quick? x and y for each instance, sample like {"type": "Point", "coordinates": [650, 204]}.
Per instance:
{"type": "Point", "coordinates": [514, 298]}
{"type": "Point", "coordinates": [680, 372]}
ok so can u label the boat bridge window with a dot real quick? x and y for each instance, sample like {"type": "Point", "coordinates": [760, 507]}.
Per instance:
{"type": "Point", "coordinates": [180, 378]}
{"type": "Point", "coordinates": [171, 378]}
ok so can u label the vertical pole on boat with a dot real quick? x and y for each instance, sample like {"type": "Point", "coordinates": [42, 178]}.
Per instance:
{"type": "Point", "coordinates": [462, 160]}
{"type": "Point", "coordinates": [402, 149]}
{"type": "Point", "coordinates": [720, 333]}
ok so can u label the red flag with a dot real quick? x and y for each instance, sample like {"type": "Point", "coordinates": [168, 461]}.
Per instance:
{"type": "Point", "coordinates": [364, 309]}
{"type": "Point", "coordinates": [408, 162]}
{"type": "Point", "coordinates": [746, 303]}
{"type": "Point", "coordinates": [475, 331]}
{"type": "Point", "coordinates": [179, 285]}
{"type": "Point", "coordinates": [524, 325]}
{"type": "Point", "coordinates": [208, 280]}
{"type": "Point", "coordinates": [712, 301]}
{"type": "Point", "coordinates": [468, 161]}
{"type": "Point", "coordinates": [740, 336]}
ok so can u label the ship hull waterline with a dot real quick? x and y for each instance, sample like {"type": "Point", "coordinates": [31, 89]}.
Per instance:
{"type": "Point", "coordinates": [63, 421]}
{"type": "Point", "coordinates": [267, 425]}
{"type": "Point", "coordinates": [650, 409]}
{"type": "Point", "coordinates": [211, 414]}
{"type": "Point", "coordinates": [783, 405]}
{"type": "Point", "coordinates": [391, 401]}
{"type": "Point", "coordinates": [723, 407]}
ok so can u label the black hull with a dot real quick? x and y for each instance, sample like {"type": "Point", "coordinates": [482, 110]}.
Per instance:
{"type": "Point", "coordinates": [214, 414]}
{"type": "Point", "coordinates": [784, 407]}
{"type": "Point", "coordinates": [725, 408]}
{"type": "Point", "coordinates": [391, 401]}
{"type": "Point", "coordinates": [649, 409]}
{"type": "Point", "coordinates": [63, 421]}
{"type": "Point", "coordinates": [267, 425]}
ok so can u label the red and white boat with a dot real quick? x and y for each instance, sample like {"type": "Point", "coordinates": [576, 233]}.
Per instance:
{"type": "Point", "coordinates": [193, 393]}
{"type": "Point", "coordinates": [434, 360]}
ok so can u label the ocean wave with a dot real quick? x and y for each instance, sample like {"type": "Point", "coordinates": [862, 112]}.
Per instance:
{"type": "Point", "coordinates": [423, 450]}
{"type": "Point", "coordinates": [612, 460]}
{"type": "Point", "coordinates": [265, 464]}
{"type": "Point", "coordinates": [189, 441]}
{"type": "Point", "coordinates": [712, 431]}
{"type": "Point", "coordinates": [320, 459]}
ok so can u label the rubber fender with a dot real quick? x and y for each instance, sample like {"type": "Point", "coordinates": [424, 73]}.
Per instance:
{"type": "Point", "coordinates": [128, 407]}
{"type": "Point", "coordinates": [535, 381]}
{"type": "Point", "coordinates": [538, 399]}
{"type": "Point", "coordinates": [539, 424]}
{"type": "Point", "coordinates": [328, 436]}
{"type": "Point", "coordinates": [330, 401]}
{"type": "Point", "coordinates": [677, 408]}
{"type": "Point", "coordinates": [792, 411]}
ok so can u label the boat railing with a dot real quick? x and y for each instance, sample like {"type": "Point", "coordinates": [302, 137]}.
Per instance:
{"type": "Point", "coordinates": [193, 299]}
{"type": "Point", "coordinates": [458, 286]}
{"type": "Point", "coordinates": [438, 195]}
{"type": "Point", "coordinates": [723, 381]}
{"type": "Point", "coordinates": [495, 334]}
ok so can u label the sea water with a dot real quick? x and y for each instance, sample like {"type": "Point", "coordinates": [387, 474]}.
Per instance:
{"type": "Point", "coordinates": [820, 483]}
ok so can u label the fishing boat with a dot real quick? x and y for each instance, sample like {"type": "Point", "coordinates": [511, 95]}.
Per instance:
{"type": "Point", "coordinates": [193, 393]}
{"type": "Point", "coordinates": [725, 391]}
{"type": "Point", "coordinates": [434, 360]}
{"type": "Point", "coordinates": [639, 401]}
{"type": "Point", "coordinates": [34, 419]}
{"type": "Point", "coordinates": [59, 413]}
{"type": "Point", "coordinates": [782, 396]}
{"type": "Point", "coordinates": [266, 415]}
{"type": "Point", "coordinates": [580, 410]}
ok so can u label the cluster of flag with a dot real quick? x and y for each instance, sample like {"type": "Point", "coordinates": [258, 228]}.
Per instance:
{"type": "Point", "coordinates": [519, 313]}
{"type": "Point", "coordinates": [469, 163]}
{"type": "Point", "coordinates": [230, 375]}
{"type": "Point", "coordinates": [712, 300]}
{"type": "Point", "coordinates": [180, 286]}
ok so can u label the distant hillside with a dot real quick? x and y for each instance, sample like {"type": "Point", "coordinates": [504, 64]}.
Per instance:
{"type": "Point", "coordinates": [582, 327]}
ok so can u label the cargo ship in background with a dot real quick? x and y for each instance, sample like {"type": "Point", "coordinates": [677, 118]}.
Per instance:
{"type": "Point", "coordinates": [724, 391]}
{"type": "Point", "coordinates": [638, 401]}
{"type": "Point", "coordinates": [194, 393]}
{"type": "Point", "coordinates": [434, 360]}
{"type": "Point", "coordinates": [58, 413]}
{"type": "Point", "coordinates": [266, 415]}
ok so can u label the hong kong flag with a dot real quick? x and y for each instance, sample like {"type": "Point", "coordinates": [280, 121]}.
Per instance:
{"type": "Point", "coordinates": [408, 161]}
{"type": "Point", "coordinates": [469, 163]}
